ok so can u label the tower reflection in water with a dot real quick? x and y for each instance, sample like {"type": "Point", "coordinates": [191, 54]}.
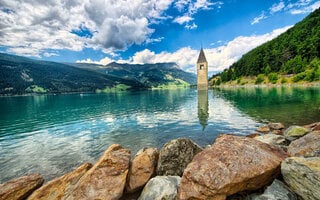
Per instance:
{"type": "Point", "coordinates": [203, 107]}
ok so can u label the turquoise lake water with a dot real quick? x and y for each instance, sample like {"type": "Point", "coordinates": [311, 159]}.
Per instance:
{"type": "Point", "coordinates": [53, 134]}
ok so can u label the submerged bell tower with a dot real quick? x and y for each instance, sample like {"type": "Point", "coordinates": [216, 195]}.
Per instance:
{"type": "Point", "coordinates": [202, 71]}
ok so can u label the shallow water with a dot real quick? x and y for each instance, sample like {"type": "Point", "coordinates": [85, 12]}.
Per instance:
{"type": "Point", "coordinates": [53, 134]}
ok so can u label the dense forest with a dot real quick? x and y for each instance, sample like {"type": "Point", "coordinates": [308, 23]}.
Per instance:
{"type": "Point", "coordinates": [294, 54]}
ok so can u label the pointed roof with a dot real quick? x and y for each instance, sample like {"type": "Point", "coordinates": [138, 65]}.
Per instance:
{"type": "Point", "coordinates": [202, 57]}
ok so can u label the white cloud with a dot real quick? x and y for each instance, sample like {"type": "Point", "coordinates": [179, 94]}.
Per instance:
{"type": "Point", "coordinates": [154, 40]}
{"type": "Point", "coordinates": [302, 10]}
{"type": "Point", "coordinates": [183, 19]}
{"type": "Point", "coordinates": [277, 7]}
{"type": "Point", "coordinates": [219, 58]}
{"type": "Point", "coordinates": [31, 27]}
{"type": "Point", "coordinates": [103, 61]}
{"type": "Point", "coordinates": [188, 8]}
{"type": "Point", "coordinates": [191, 27]}
{"type": "Point", "coordinates": [256, 20]}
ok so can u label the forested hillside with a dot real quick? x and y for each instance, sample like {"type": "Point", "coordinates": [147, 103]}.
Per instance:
{"type": "Point", "coordinates": [20, 75]}
{"type": "Point", "coordinates": [295, 52]}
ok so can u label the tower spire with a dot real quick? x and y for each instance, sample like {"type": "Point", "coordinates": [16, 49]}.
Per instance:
{"type": "Point", "coordinates": [202, 57]}
{"type": "Point", "coordinates": [202, 71]}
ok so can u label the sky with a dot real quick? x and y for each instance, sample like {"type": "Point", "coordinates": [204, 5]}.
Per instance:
{"type": "Point", "coordinates": [145, 31]}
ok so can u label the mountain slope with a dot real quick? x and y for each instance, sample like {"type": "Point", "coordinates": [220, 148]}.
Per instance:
{"type": "Point", "coordinates": [20, 75]}
{"type": "Point", "coordinates": [293, 52]}
{"type": "Point", "coordinates": [150, 75]}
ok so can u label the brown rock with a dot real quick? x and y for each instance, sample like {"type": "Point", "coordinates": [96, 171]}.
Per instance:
{"type": "Point", "coordinates": [276, 126]}
{"type": "Point", "coordinates": [308, 145]}
{"type": "Point", "coordinates": [231, 165]}
{"type": "Point", "coordinates": [253, 135]}
{"type": "Point", "coordinates": [20, 188]}
{"type": "Point", "coordinates": [314, 126]}
{"type": "Point", "coordinates": [142, 169]}
{"type": "Point", "coordinates": [107, 178]}
{"type": "Point", "coordinates": [60, 187]}
{"type": "Point", "coordinates": [263, 129]}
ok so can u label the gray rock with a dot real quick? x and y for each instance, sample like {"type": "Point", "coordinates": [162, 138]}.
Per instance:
{"type": "Point", "coordinates": [307, 146]}
{"type": "Point", "coordinates": [294, 132]}
{"type": "Point", "coordinates": [272, 139]}
{"type": "Point", "coordinates": [303, 176]}
{"type": "Point", "coordinates": [176, 155]}
{"type": "Point", "coordinates": [277, 190]}
{"type": "Point", "coordinates": [161, 188]}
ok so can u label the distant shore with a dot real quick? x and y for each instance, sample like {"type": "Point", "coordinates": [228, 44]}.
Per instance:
{"type": "Point", "coordinates": [268, 85]}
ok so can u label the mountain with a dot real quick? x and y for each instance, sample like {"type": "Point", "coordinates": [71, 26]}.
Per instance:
{"type": "Point", "coordinates": [20, 75]}
{"type": "Point", "coordinates": [149, 75]}
{"type": "Point", "coordinates": [297, 51]}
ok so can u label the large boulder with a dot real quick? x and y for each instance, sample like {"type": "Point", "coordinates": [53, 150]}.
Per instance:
{"type": "Point", "coordinates": [142, 169]}
{"type": "Point", "coordinates": [20, 188]}
{"type": "Point", "coordinates": [59, 188]}
{"type": "Point", "coordinates": [303, 176]}
{"type": "Point", "coordinates": [231, 165]}
{"type": "Point", "coordinates": [176, 155]}
{"type": "Point", "coordinates": [277, 190]}
{"type": "Point", "coordinates": [107, 178]}
{"type": "Point", "coordinates": [294, 132]}
{"type": "Point", "coordinates": [308, 145]}
{"type": "Point", "coordinates": [161, 188]}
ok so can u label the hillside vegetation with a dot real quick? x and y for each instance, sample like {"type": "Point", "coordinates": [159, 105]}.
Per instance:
{"type": "Point", "coordinates": [158, 75]}
{"type": "Point", "coordinates": [291, 57]}
{"type": "Point", "coordinates": [20, 75]}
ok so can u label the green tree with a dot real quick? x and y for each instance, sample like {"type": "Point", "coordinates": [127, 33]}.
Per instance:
{"type": "Point", "coordinates": [218, 81]}
{"type": "Point", "coordinates": [260, 79]}
{"type": "Point", "coordinates": [273, 77]}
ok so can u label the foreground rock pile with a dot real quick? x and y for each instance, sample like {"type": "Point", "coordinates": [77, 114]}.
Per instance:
{"type": "Point", "coordinates": [274, 163]}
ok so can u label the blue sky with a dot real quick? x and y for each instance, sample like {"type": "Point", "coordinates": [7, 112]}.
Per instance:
{"type": "Point", "coordinates": [145, 31]}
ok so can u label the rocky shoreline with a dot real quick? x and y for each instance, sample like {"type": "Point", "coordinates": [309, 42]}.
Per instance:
{"type": "Point", "coordinates": [273, 163]}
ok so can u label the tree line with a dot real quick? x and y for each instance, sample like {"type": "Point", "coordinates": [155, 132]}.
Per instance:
{"type": "Point", "coordinates": [296, 52]}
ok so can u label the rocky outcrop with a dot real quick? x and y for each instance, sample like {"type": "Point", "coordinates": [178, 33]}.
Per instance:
{"type": "Point", "coordinates": [308, 145]}
{"type": "Point", "coordinates": [142, 169]}
{"type": "Point", "coordinates": [20, 188]}
{"type": "Point", "coordinates": [175, 156]}
{"type": "Point", "coordinates": [277, 190]}
{"type": "Point", "coordinates": [294, 132]}
{"type": "Point", "coordinates": [274, 128]}
{"type": "Point", "coordinates": [161, 188]}
{"type": "Point", "coordinates": [107, 178]}
{"type": "Point", "coordinates": [231, 165]}
{"type": "Point", "coordinates": [272, 139]}
{"type": "Point", "coordinates": [60, 188]}
{"type": "Point", "coordinates": [303, 176]}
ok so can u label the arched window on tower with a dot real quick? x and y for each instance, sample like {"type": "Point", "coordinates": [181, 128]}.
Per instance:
{"type": "Point", "coordinates": [201, 67]}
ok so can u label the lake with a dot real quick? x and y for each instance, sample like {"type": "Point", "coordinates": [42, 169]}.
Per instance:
{"type": "Point", "coordinates": [53, 134]}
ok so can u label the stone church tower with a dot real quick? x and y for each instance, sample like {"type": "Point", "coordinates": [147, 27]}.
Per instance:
{"type": "Point", "coordinates": [202, 72]}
